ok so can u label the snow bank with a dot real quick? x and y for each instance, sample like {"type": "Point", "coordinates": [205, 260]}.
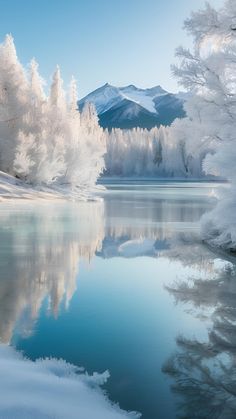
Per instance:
{"type": "Point", "coordinates": [12, 188]}
{"type": "Point", "coordinates": [52, 389]}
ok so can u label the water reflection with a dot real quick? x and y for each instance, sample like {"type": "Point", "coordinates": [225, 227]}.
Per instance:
{"type": "Point", "coordinates": [40, 251]}
{"type": "Point", "coordinates": [141, 221]}
{"type": "Point", "coordinates": [41, 244]}
{"type": "Point", "coordinates": [150, 212]}
{"type": "Point", "coordinates": [204, 371]}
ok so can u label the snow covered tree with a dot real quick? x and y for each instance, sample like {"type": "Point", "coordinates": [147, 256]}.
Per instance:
{"type": "Point", "coordinates": [94, 139]}
{"type": "Point", "coordinates": [44, 140]}
{"type": "Point", "coordinates": [160, 152]}
{"type": "Point", "coordinates": [30, 150]}
{"type": "Point", "coordinates": [57, 94]}
{"type": "Point", "coordinates": [36, 84]}
{"type": "Point", "coordinates": [209, 72]}
{"type": "Point", "coordinates": [13, 102]}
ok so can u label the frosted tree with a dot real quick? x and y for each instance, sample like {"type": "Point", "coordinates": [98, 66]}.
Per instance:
{"type": "Point", "coordinates": [44, 140]}
{"type": "Point", "coordinates": [77, 153]}
{"type": "Point", "coordinates": [94, 143]}
{"type": "Point", "coordinates": [160, 152]}
{"type": "Point", "coordinates": [23, 162]}
{"type": "Point", "coordinates": [209, 73]}
{"type": "Point", "coordinates": [57, 131]}
{"type": "Point", "coordinates": [13, 102]}
{"type": "Point", "coordinates": [57, 95]}
{"type": "Point", "coordinates": [30, 151]}
{"type": "Point", "coordinates": [36, 85]}
{"type": "Point", "coordinates": [39, 153]}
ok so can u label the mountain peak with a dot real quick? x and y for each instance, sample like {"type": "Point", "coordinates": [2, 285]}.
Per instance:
{"type": "Point", "coordinates": [107, 85]}
{"type": "Point", "coordinates": [157, 90]}
{"type": "Point", "coordinates": [117, 105]}
{"type": "Point", "coordinates": [130, 86]}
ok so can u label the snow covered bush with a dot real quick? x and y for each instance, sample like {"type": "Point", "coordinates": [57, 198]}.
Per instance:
{"type": "Point", "coordinates": [209, 72]}
{"type": "Point", "coordinates": [45, 140]}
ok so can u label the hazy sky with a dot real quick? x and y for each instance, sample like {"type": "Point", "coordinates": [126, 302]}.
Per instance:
{"type": "Point", "coordinates": [117, 41]}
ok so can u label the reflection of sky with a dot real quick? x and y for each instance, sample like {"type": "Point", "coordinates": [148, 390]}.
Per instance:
{"type": "Point", "coordinates": [124, 321]}
{"type": "Point", "coordinates": [121, 317]}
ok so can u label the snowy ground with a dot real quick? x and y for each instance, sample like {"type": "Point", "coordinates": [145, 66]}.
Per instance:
{"type": "Point", "coordinates": [50, 388]}
{"type": "Point", "coordinates": [12, 188]}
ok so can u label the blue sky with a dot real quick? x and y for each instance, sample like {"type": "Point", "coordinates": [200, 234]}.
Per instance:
{"type": "Point", "coordinates": [117, 41]}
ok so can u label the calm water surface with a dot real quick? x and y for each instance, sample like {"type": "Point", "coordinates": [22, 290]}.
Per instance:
{"type": "Point", "coordinates": [125, 285]}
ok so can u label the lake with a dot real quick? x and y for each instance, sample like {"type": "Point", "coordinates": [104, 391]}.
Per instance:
{"type": "Point", "coordinates": [125, 284]}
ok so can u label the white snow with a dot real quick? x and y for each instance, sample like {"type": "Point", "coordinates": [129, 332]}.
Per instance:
{"type": "Point", "coordinates": [136, 247]}
{"type": "Point", "coordinates": [140, 97]}
{"type": "Point", "coordinates": [107, 96]}
{"type": "Point", "coordinates": [12, 188]}
{"type": "Point", "coordinates": [52, 389]}
{"type": "Point", "coordinates": [144, 101]}
{"type": "Point", "coordinates": [104, 98]}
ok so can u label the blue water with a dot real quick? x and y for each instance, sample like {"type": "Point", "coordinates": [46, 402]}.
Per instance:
{"type": "Point", "coordinates": [88, 282]}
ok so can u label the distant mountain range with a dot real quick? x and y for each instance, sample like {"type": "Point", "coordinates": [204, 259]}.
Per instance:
{"type": "Point", "coordinates": [131, 107]}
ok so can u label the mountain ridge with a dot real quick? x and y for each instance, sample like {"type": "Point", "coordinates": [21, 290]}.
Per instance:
{"type": "Point", "coordinates": [131, 107]}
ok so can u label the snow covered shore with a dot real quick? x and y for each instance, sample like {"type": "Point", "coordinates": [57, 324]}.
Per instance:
{"type": "Point", "coordinates": [12, 188]}
{"type": "Point", "coordinates": [52, 388]}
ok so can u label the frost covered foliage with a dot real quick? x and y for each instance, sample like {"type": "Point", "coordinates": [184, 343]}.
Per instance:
{"type": "Point", "coordinates": [45, 140]}
{"type": "Point", "coordinates": [160, 152]}
{"type": "Point", "coordinates": [52, 389]}
{"type": "Point", "coordinates": [209, 72]}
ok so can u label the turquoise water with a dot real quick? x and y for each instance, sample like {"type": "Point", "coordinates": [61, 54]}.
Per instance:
{"type": "Point", "coordinates": [103, 286]}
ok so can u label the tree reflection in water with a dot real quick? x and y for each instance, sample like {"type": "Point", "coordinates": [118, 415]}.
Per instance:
{"type": "Point", "coordinates": [39, 258]}
{"type": "Point", "coordinates": [204, 372]}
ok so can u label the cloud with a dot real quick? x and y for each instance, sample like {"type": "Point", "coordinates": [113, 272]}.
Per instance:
{"type": "Point", "coordinates": [52, 389]}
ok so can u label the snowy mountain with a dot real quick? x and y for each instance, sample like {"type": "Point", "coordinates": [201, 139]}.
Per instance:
{"type": "Point", "coordinates": [130, 106]}
{"type": "Point", "coordinates": [128, 247]}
